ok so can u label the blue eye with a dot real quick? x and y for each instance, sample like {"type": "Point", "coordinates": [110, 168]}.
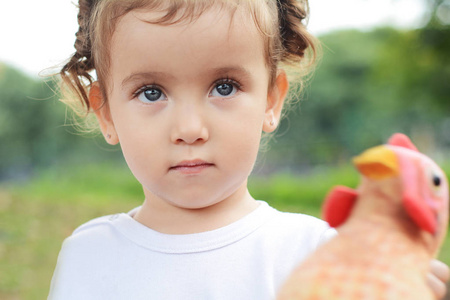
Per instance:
{"type": "Point", "coordinates": [150, 95]}
{"type": "Point", "coordinates": [224, 89]}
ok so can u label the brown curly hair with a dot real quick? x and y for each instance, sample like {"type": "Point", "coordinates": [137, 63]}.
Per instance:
{"type": "Point", "coordinates": [281, 23]}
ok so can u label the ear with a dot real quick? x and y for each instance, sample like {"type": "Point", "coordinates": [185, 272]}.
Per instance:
{"type": "Point", "coordinates": [275, 100]}
{"type": "Point", "coordinates": [101, 110]}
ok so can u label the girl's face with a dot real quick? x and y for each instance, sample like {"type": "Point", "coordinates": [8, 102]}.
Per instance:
{"type": "Point", "coordinates": [188, 103]}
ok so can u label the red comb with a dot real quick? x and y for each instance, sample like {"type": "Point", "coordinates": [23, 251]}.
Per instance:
{"type": "Point", "coordinates": [401, 140]}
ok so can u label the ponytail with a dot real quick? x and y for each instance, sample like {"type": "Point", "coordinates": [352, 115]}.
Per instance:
{"type": "Point", "coordinates": [75, 73]}
{"type": "Point", "coordinates": [296, 46]}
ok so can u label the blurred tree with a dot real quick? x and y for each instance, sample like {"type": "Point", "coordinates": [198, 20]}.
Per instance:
{"type": "Point", "coordinates": [414, 68]}
{"type": "Point", "coordinates": [332, 119]}
{"type": "Point", "coordinates": [438, 12]}
{"type": "Point", "coordinates": [368, 85]}
{"type": "Point", "coordinates": [20, 121]}
{"type": "Point", "coordinates": [32, 128]}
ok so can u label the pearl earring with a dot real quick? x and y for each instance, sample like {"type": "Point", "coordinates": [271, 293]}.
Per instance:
{"type": "Point", "coordinates": [272, 123]}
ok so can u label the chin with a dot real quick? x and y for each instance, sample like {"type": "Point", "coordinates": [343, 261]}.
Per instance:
{"type": "Point", "coordinates": [194, 204]}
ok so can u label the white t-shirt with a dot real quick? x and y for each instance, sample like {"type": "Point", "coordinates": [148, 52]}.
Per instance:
{"type": "Point", "coordinates": [116, 257]}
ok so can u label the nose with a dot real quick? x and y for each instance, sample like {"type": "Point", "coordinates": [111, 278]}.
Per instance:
{"type": "Point", "coordinates": [189, 126]}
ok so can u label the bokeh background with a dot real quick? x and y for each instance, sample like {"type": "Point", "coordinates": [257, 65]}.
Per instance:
{"type": "Point", "coordinates": [385, 69]}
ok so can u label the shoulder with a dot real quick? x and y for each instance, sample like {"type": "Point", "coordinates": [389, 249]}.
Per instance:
{"type": "Point", "coordinates": [289, 238]}
{"type": "Point", "coordinates": [88, 244]}
{"type": "Point", "coordinates": [90, 238]}
{"type": "Point", "coordinates": [94, 224]}
{"type": "Point", "coordinates": [300, 219]}
{"type": "Point", "coordinates": [305, 229]}
{"type": "Point", "coordinates": [83, 258]}
{"type": "Point", "coordinates": [92, 229]}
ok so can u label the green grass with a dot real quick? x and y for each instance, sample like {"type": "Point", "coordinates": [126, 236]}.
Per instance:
{"type": "Point", "coordinates": [303, 194]}
{"type": "Point", "coordinates": [35, 217]}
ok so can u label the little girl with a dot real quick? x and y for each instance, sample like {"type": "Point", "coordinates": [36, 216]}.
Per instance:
{"type": "Point", "coordinates": [187, 87]}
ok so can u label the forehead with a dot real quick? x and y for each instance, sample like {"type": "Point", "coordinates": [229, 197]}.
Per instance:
{"type": "Point", "coordinates": [215, 20]}
{"type": "Point", "coordinates": [219, 36]}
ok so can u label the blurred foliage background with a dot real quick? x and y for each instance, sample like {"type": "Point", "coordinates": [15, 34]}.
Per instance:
{"type": "Point", "coordinates": [367, 86]}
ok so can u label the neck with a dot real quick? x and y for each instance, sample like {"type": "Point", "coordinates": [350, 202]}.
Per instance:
{"type": "Point", "coordinates": [163, 217]}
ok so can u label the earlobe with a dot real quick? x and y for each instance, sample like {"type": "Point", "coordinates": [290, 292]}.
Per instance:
{"type": "Point", "coordinates": [102, 113]}
{"type": "Point", "coordinates": [275, 101]}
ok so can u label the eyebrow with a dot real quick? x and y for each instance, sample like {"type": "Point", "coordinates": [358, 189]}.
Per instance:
{"type": "Point", "coordinates": [233, 69]}
{"type": "Point", "coordinates": [222, 71]}
{"type": "Point", "coordinates": [144, 75]}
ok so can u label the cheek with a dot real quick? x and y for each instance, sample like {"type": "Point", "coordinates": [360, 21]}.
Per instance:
{"type": "Point", "coordinates": [244, 136]}
{"type": "Point", "coordinates": [141, 140]}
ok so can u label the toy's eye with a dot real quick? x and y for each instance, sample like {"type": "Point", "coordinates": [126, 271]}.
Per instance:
{"type": "Point", "coordinates": [436, 180]}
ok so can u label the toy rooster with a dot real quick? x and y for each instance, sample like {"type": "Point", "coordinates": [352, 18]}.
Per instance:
{"type": "Point", "coordinates": [389, 230]}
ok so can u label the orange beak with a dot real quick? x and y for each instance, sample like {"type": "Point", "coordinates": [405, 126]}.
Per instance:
{"type": "Point", "coordinates": [377, 163]}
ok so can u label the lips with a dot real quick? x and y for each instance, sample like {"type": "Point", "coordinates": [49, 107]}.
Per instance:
{"type": "Point", "coordinates": [191, 166]}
